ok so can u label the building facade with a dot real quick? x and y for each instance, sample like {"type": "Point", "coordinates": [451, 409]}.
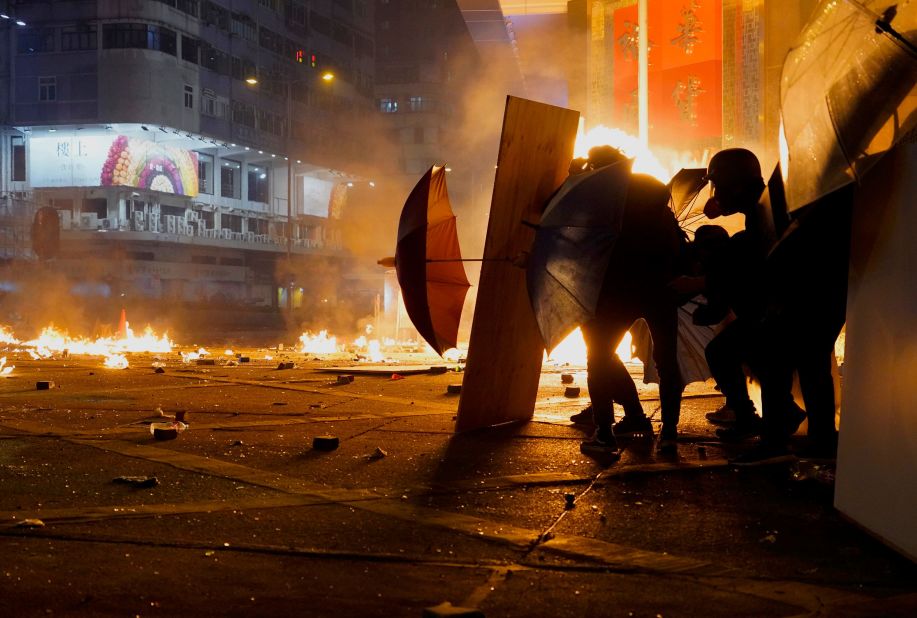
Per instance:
{"type": "Point", "coordinates": [170, 135]}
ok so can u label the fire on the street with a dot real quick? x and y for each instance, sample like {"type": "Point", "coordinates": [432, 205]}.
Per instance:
{"type": "Point", "coordinates": [52, 341]}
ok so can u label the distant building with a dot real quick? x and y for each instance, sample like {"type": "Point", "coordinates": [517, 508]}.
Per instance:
{"type": "Point", "coordinates": [163, 132]}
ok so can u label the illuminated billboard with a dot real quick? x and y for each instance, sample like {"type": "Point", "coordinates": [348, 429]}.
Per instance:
{"type": "Point", "coordinates": [77, 160]}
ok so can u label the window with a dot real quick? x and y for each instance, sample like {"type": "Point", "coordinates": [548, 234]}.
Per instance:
{"type": "Point", "coordinates": [205, 173]}
{"type": "Point", "coordinates": [244, 26]}
{"type": "Point", "coordinates": [189, 96]}
{"type": "Point", "coordinates": [388, 106]}
{"type": "Point", "coordinates": [47, 88]}
{"type": "Point", "coordinates": [35, 40]}
{"type": "Point", "coordinates": [243, 113]}
{"type": "Point", "coordinates": [258, 184]}
{"type": "Point", "coordinates": [17, 157]}
{"type": "Point", "coordinates": [212, 105]}
{"type": "Point", "coordinates": [78, 38]}
{"type": "Point", "coordinates": [230, 179]}
{"type": "Point", "coordinates": [420, 104]}
{"type": "Point", "coordinates": [190, 49]}
{"type": "Point", "coordinates": [138, 36]}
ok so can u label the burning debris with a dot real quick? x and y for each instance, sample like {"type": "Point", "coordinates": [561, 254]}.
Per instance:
{"type": "Point", "coordinates": [4, 370]}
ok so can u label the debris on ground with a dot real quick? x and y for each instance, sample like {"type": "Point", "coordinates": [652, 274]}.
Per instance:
{"type": "Point", "coordinates": [167, 431]}
{"type": "Point", "coordinates": [206, 361]}
{"type": "Point", "coordinates": [159, 370]}
{"type": "Point", "coordinates": [44, 385]}
{"type": "Point", "coordinates": [378, 453]}
{"type": "Point", "coordinates": [454, 389]}
{"type": "Point", "coordinates": [285, 365]}
{"type": "Point", "coordinates": [31, 523]}
{"type": "Point", "coordinates": [245, 359]}
{"type": "Point", "coordinates": [325, 443]}
{"type": "Point", "coordinates": [572, 391]}
{"type": "Point", "coordinates": [345, 378]}
{"type": "Point", "coordinates": [438, 370]}
{"type": "Point", "coordinates": [397, 376]}
{"type": "Point", "coordinates": [279, 403]}
{"type": "Point", "coordinates": [809, 471]}
{"type": "Point", "coordinates": [447, 609]}
{"type": "Point", "coordinates": [569, 501]}
{"type": "Point", "coordinates": [237, 443]}
{"type": "Point", "coordinates": [140, 482]}
{"type": "Point", "coordinates": [566, 378]}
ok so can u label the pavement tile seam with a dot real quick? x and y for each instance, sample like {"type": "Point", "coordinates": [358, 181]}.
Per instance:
{"type": "Point", "coordinates": [276, 550]}
{"type": "Point", "coordinates": [327, 391]}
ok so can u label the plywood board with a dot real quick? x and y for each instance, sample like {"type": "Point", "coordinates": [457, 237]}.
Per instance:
{"type": "Point", "coordinates": [505, 349]}
{"type": "Point", "coordinates": [877, 456]}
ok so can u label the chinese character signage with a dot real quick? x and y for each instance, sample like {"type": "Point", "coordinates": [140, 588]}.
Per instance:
{"type": "Point", "coordinates": [78, 160]}
{"type": "Point", "coordinates": [685, 70]}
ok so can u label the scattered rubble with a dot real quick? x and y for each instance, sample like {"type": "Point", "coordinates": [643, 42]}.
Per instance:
{"type": "Point", "coordinates": [44, 385]}
{"type": "Point", "coordinates": [566, 378]}
{"type": "Point", "coordinates": [325, 443]}
{"type": "Point", "coordinates": [572, 391]}
{"type": "Point", "coordinates": [454, 389]}
{"type": "Point", "coordinates": [167, 431]}
{"type": "Point", "coordinates": [31, 523]}
{"type": "Point", "coordinates": [139, 482]}
{"type": "Point", "coordinates": [285, 365]}
{"type": "Point", "coordinates": [378, 454]}
{"type": "Point", "coordinates": [448, 610]}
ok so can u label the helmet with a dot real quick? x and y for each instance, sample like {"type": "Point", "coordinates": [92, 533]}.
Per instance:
{"type": "Point", "coordinates": [734, 166]}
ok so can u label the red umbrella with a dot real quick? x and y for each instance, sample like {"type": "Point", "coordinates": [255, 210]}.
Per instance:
{"type": "Point", "coordinates": [428, 262]}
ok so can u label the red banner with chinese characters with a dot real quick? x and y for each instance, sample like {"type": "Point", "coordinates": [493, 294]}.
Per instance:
{"type": "Point", "coordinates": [685, 71]}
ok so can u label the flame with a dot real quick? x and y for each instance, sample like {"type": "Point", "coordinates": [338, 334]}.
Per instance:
{"type": "Point", "coordinates": [371, 349]}
{"type": "Point", "coordinates": [572, 350]}
{"type": "Point", "coordinates": [187, 357]}
{"type": "Point", "coordinates": [645, 162]}
{"type": "Point", "coordinates": [116, 361]}
{"type": "Point", "coordinates": [228, 352]}
{"type": "Point", "coordinates": [321, 343]}
{"type": "Point", "coordinates": [4, 370]}
{"type": "Point", "coordinates": [6, 336]}
{"type": "Point", "coordinates": [52, 340]}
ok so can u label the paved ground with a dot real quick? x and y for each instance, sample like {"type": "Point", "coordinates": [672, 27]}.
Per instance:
{"type": "Point", "coordinates": [248, 519]}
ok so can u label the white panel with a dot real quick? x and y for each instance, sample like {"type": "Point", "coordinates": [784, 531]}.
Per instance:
{"type": "Point", "coordinates": [877, 458]}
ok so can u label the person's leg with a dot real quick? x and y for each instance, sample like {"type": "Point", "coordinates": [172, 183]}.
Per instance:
{"type": "Point", "coordinates": [662, 317]}
{"type": "Point", "coordinates": [604, 378]}
{"type": "Point", "coordinates": [725, 355]}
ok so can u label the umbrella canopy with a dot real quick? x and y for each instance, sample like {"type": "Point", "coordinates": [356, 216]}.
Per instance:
{"type": "Point", "coordinates": [847, 93]}
{"type": "Point", "coordinates": [428, 262]}
{"type": "Point", "coordinates": [572, 248]}
{"type": "Point", "coordinates": [684, 188]}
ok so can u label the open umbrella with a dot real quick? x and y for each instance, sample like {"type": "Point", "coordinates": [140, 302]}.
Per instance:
{"type": "Point", "coordinates": [428, 262]}
{"type": "Point", "coordinates": [572, 249]}
{"type": "Point", "coordinates": [847, 93]}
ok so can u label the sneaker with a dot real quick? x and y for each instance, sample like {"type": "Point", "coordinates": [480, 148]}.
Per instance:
{"type": "Point", "coordinates": [583, 417]}
{"type": "Point", "coordinates": [794, 417]}
{"type": "Point", "coordinates": [763, 455]}
{"type": "Point", "coordinates": [747, 428]}
{"type": "Point", "coordinates": [667, 445]}
{"type": "Point", "coordinates": [724, 415]}
{"type": "Point", "coordinates": [600, 446]}
{"type": "Point", "coordinates": [632, 426]}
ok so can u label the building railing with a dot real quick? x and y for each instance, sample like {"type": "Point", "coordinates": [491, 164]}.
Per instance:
{"type": "Point", "coordinates": [193, 228]}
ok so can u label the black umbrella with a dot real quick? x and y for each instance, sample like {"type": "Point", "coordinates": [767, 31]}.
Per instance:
{"type": "Point", "coordinates": [572, 248]}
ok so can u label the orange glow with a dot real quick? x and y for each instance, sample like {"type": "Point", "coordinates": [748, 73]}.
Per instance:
{"type": "Point", "coordinates": [572, 350]}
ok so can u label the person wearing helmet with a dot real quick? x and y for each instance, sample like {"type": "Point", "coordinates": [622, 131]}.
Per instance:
{"type": "Point", "coordinates": [650, 243]}
{"type": "Point", "coordinates": [734, 280]}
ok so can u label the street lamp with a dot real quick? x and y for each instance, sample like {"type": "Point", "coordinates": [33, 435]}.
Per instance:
{"type": "Point", "coordinates": [327, 77]}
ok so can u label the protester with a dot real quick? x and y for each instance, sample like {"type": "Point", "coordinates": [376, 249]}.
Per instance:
{"type": "Point", "coordinates": [645, 258]}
